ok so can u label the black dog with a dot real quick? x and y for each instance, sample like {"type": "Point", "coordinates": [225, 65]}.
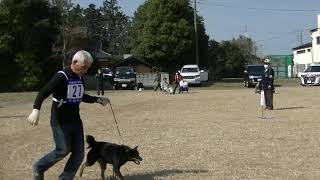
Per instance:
{"type": "Point", "coordinates": [109, 153]}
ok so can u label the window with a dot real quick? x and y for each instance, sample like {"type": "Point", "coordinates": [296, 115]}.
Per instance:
{"type": "Point", "coordinates": [301, 51]}
{"type": "Point", "coordinates": [313, 69]}
{"type": "Point", "coordinates": [190, 70]}
{"type": "Point", "coordinates": [318, 40]}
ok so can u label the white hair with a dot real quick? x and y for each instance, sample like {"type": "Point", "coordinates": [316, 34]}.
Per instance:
{"type": "Point", "coordinates": [82, 56]}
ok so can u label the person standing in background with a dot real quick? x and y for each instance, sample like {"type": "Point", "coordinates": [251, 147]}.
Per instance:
{"type": "Point", "coordinates": [177, 79]}
{"type": "Point", "coordinates": [267, 84]}
{"type": "Point", "coordinates": [100, 82]}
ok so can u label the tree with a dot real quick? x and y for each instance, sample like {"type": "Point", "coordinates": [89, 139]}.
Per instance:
{"type": "Point", "coordinates": [115, 28]}
{"type": "Point", "coordinates": [163, 33]}
{"type": "Point", "coordinates": [64, 7]}
{"type": "Point", "coordinates": [233, 59]}
{"type": "Point", "coordinates": [248, 47]}
{"type": "Point", "coordinates": [93, 23]}
{"type": "Point", "coordinates": [215, 62]}
{"type": "Point", "coordinates": [28, 30]}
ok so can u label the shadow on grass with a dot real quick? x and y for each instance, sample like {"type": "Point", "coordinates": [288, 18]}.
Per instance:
{"type": "Point", "coordinates": [163, 173]}
{"type": "Point", "coordinates": [288, 108]}
{"type": "Point", "coordinates": [155, 174]}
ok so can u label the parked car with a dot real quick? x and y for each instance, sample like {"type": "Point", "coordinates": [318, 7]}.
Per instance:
{"type": "Point", "coordinates": [253, 74]}
{"type": "Point", "coordinates": [107, 73]}
{"type": "Point", "coordinates": [311, 76]}
{"type": "Point", "coordinates": [124, 77]}
{"type": "Point", "coordinates": [191, 73]}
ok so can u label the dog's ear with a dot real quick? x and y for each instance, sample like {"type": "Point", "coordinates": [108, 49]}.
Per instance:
{"type": "Point", "coordinates": [135, 148]}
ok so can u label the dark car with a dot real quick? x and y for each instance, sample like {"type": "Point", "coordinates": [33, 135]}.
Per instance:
{"type": "Point", "coordinates": [253, 74]}
{"type": "Point", "coordinates": [108, 75]}
{"type": "Point", "coordinates": [124, 77]}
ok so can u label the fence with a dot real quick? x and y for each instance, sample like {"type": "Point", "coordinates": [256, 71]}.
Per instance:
{"type": "Point", "coordinates": [280, 72]}
{"type": "Point", "coordinates": [148, 79]}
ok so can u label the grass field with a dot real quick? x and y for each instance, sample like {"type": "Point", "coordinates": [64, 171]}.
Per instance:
{"type": "Point", "coordinates": [213, 132]}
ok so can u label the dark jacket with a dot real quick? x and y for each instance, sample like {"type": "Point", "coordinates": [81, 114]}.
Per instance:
{"type": "Point", "coordinates": [99, 78]}
{"type": "Point", "coordinates": [267, 79]}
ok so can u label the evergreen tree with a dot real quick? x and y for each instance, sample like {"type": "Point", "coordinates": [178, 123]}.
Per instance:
{"type": "Point", "coordinates": [115, 28]}
{"type": "Point", "coordinates": [163, 33]}
{"type": "Point", "coordinates": [28, 30]}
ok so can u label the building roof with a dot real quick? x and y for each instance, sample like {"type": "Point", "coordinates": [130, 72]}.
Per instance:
{"type": "Point", "coordinates": [101, 54]}
{"type": "Point", "coordinates": [303, 46]}
{"type": "Point", "coordinates": [132, 60]}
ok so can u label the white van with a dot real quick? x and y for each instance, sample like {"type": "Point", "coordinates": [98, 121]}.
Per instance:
{"type": "Point", "coordinates": [311, 76]}
{"type": "Point", "coordinates": [191, 73]}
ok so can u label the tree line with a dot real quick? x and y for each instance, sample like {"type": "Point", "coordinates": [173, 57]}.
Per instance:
{"type": "Point", "coordinates": [38, 37]}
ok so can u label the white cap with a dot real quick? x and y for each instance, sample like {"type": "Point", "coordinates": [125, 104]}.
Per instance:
{"type": "Point", "coordinates": [267, 61]}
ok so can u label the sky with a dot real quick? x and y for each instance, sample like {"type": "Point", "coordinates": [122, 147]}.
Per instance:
{"type": "Point", "coordinates": [277, 26]}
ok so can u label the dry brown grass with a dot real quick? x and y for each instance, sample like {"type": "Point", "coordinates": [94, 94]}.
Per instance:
{"type": "Point", "coordinates": [206, 134]}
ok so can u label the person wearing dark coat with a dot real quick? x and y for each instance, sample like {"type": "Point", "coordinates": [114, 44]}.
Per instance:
{"type": "Point", "coordinates": [68, 91]}
{"type": "Point", "coordinates": [157, 81]}
{"type": "Point", "coordinates": [100, 82]}
{"type": "Point", "coordinates": [267, 84]}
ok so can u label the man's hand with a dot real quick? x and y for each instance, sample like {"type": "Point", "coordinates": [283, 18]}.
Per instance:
{"type": "Point", "coordinates": [34, 117]}
{"type": "Point", "coordinates": [103, 101]}
{"type": "Point", "coordinates": [269, 86]}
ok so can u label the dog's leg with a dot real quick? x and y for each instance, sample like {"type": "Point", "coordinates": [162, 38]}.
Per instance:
{"type": "Point", "coordinates": [103, 167]}
{"type": "Point", "coordinates": [82, 168]}
{"type": "Point", "coordinates": [91, 159]}
{"type": "Point", "coordinates": [117, 172]}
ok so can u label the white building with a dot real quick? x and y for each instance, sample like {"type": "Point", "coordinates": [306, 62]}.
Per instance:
{"type": "Point", "coordinates": [315, 35]}
{"type": "Point", "coordinates": [307, 54]}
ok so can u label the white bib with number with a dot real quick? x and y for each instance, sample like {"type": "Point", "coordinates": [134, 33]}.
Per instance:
{"type": "Point", "coordinates": [75, 91]}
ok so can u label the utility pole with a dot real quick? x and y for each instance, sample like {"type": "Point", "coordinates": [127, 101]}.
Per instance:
{"type": "Point", "coordinates": [301, 39]}
{"type": "Point", "coordinates": [196, 32]}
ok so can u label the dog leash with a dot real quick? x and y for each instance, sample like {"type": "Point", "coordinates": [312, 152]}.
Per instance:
{"type": "Point", "coordinates": [115, 120]}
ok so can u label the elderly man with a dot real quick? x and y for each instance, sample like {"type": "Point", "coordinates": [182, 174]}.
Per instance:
{"type": "Point", "coordinates": [267, 84]}
{"type": "Point", "coordinates": [67, 89]}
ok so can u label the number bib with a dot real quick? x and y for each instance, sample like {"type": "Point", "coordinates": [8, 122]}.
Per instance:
{"type": "Point", "coordinates": [75, 91]}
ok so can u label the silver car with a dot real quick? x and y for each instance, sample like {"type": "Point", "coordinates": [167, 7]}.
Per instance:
{"type": "Point", "coordinates": [311, 76]}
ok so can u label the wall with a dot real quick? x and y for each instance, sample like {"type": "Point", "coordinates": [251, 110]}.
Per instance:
{"type": "Point", "coordinates": [301, 61]}
{"type": "Point", "coordinates": [141, 68]}
{"type": "Point", "coordinates": [315, 46]}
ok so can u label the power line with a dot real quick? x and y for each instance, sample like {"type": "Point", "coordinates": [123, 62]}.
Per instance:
{"type": "Point", "coordinates": [260, 9]}
{"type": "Point", "coordinates": [279, 35]}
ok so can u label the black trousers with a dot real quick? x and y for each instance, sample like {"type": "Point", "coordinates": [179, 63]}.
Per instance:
{"type": "Point", "coordinates": [68, 138]}
{"type": "Point", "coordinates": [175, 88]}
{"type": "Point", "coordinates": [268, 96]}
{"type": "Point", "coordinates": [100, 87]}
{"type": "Point", "coordinates": [158, 86]}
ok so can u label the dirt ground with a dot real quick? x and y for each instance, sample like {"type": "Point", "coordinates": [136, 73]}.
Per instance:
{"type": "Point", "coordinates": [206, 134]}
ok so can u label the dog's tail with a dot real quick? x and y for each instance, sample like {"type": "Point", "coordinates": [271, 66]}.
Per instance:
{"type": "Point", "coordinates": [91, 141]}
